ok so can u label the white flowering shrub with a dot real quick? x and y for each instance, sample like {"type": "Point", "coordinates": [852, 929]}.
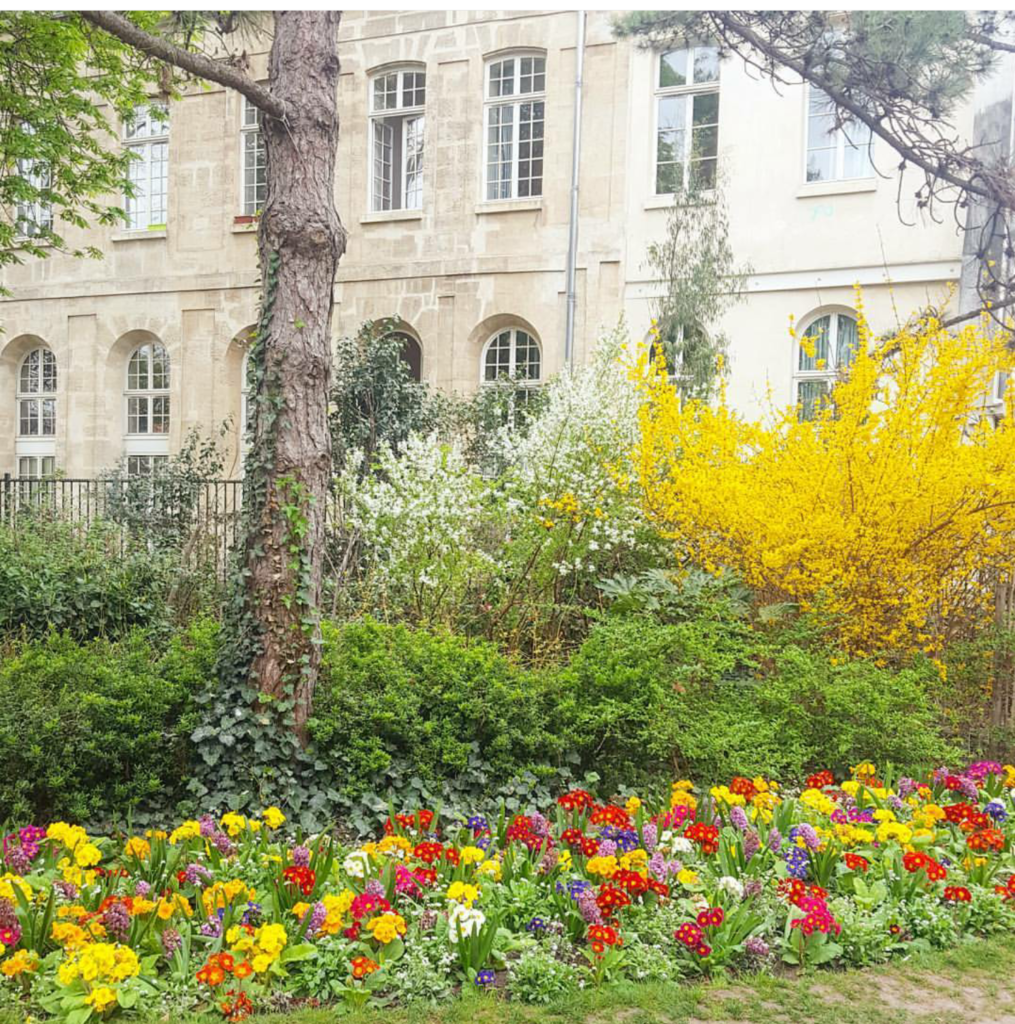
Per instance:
{"type": "Point", "coordinates": [516, 556]}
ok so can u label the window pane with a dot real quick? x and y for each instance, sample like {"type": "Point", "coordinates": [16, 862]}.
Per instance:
{"type": "Point", "coordinates": [498, 357]}
{"type": "Point", "coordinates": [703, 173]}
{"type": "Point", "coordinates": [820, 131]}
{"type": "Point", "coordinates": [812, 396]}
{"type": "Point", "coordinates": [502, 78]}
{"type": "Point", "coordinates": [137, 415]}
{"type": "Point", "coordinates": [672, 112]}
{"type": "Point", "coordinates": [386, 92]}
{"type": "Point", "coordinates": [532, 74]}
{"type": "Point", "coordinates": [137, 370]}
{"type": "Point", "coordinates": [706, 64]}
{"type": "Point", "coordinates": [847, 341]}
{"type": "Point", "coordinates": [669, 178]}
{"type": "Point", "coordinates": [821, 165]}
{"type": "Point", "coordinates": [706, 109]}
{"type": "Point", "coordinates": [526, 356]}
{"type": "Point", "coordinates": [856, 158]}
{"type": "Point", "coordinates": [673, 69]}
{"type": "Point", "coordinates": [160, 368]}
{"type": "Point", "coordinates": [384, 144]}
{"type": "Point", "coordinates": [48, 371]}
{"type": "Point", "coordinates": [499, 152]}
{"type": "Point", "coordinates": [28, 417]}
{"type": "Point", "coordinates": [48, 465]}
{"type": "Point", "coordinates": [29, 381]}
{"type": "Point", "coordinates": [817, 333]}
{"type": "Point", "coordinates": [255, 177]}
{"type": "Point", "coordinates": [48, 417]}
{"type": "Point", "coordinates": [160, 415]}
{"type": "Point", "coordinates": [413, 88]}
{"type": "Point", "coordinates": [413, 190]}
{"type": "Point", "coordinates": [530, 149]}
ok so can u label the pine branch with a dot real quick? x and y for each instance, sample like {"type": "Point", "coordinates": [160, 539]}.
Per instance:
{"type": "Point", "coordinates": [195, 63]}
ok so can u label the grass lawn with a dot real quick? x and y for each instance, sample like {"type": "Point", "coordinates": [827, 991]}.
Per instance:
{"type": "Point", "coordinates": [971, 983]}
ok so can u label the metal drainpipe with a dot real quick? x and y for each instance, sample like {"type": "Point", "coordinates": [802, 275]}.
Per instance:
{"type": "Point", "coordinates": [572, 243]}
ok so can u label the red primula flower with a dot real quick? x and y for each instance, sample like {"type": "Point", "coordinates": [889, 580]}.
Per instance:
{"type": "Point", "coordinates": [601, 936]}
{"type": "Point", "coordinates": [576, 800]}
{"type": "Point", "coordinates": [300, 876]}
{"type": "Point", "coordinates": [689, 934]}
{"type": "Point", "coordinates": [985, 840]}
{"type": "Point", "coordinates": [957, 894]}
{"type": "Point", "coordinates": [706, 836]}
{"type": "Point", "coordinates": [743, 787]}
{"type": "Point", "coordinates": [590, 846]}
{"type": "Point", "coordinates": [630, 881]}
{"type": "Point", "coordinates": [611, 898]}
{"type": "Point", "coordinates": [428, 852]}
{"type": "Point", "coordinates": [611, 815]}
{"type": "Point", "coordinates": [572, 836]}
{"type": "Point", "coordinates": [855, 862]}
{"type": "Point", "coordinates": [367, 905]}
{"type": "Point", "coordinates": [820, 779]}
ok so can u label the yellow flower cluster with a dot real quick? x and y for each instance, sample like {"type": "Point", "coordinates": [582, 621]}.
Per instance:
{"type": "Point", "coordinates": [387, 927]}
{"type": "Point", "coordinates": [462, 892]}
{"type": "Point", "coordinates": [263, 948]}
{"type": "Point", "coordinates": [903, 441]}
{"type": "Point", "coordinates": [818, 801]}
{"type": "Point", "coordinates": [471, 855]}
{"type": "Point", "coordinates": [894, 832]}
{"type": "Point", "coordinates": [188, 830]}
{"type": "Point", "coordinates": [99, 962]}
{"type": "Point", "coordinates": [723, 795]}
{"type": "Point", "coordinates": [397, 846]}
{"type": "Point", "coordinates": [273, 817]}
{"type": "Point", "coordinates": [681, 795]}
{"type": "Point", "coordinates": [24, 961]}
{"type": "Point", "coordinates": [607, 867]}
{"type": "Point", "coordinates": [221, 894]}
{"type": "Point", "coordinates": [137, 847]}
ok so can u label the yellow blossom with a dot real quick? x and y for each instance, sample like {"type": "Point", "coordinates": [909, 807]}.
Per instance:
{"type": "Point", "coordinates": [273, 817]}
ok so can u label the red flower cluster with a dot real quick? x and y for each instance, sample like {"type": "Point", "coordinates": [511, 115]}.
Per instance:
{"type": "Point", "coordinates": [611, 815]}
{"type": "Point", "coordinates": [795, 890]}
{"type": "Point", "coordinates": [1006, 891]}
{"type": "Point", "coordinates": [576, 800]}
{"type": "Point", "coordinates": [818, 917]}
{"type": "Point", "coordinates": [820, 779]}
{"type": "Point", "coordinates": [239, 1008]}
{"type": "Point", "coordinates": [692, 934]}
{"type": "Point", "coordinates": [218, 965]}
{"type": "Point", "coordinates": [428, 852]}
{"type": "Point", "coordinates": [630, 881]}
{"type": "Point", "coordinates": [572, 836]}
{"type": "Point", "coordinates": [367, 905]}
{"type": "Point", "coordinates": [706, 836]}
{"type": "Point", "coordinates": [743, 787]}
{"type": "Point", "coordinates": [957, 894]}
{"type": "Point", "coordinates": [985, 840]}
{"type": "Point", "coordinates": [452, 856]}
{"type": "Point", "coordinates": [915, 861]}
{"type": "Point", "coordinates": [520, 830]}
{"type": "Point", "coordinates": [855, 862]}
{"type": "Point", "coordinates": [303, 877]}
{"type": "Point", "coordinates": [362, 966]}
{"type": "Point", "coordinates": [421, 820]}
{"type": "Point", "coordinates": [611, 899]}
{"type": "Point", "coordinates": [601, 936]}
{"type": "Point", "coordinates": [957, 813]}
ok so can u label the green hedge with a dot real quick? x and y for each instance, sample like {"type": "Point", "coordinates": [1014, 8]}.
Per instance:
{"type": "Point", "coordinates": [101, 729]}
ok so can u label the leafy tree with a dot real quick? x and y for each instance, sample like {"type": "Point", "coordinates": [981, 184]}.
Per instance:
{"type": "Point", "coordinates": [698, 271]}
{"type": "Point", "coordinates": [903, 75]}
{"type": "Point", "coordinates": [64, 83]}
{"type": "Point", "coordinates": [892, 513]}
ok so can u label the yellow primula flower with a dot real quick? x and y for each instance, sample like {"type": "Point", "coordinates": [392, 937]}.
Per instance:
{"type": "Point", "coordinates": [471, 855]}
{"type": "Point", "coordinates": [234, 823]}
{"type": "Point", "coordinates": [101, 998]}
{"type": "Point", "coordinates": [607, 867]}
{"type": "Point", "coordinates": [188, 830]}
{"type": "Point", "coordinates": [137, 847]}
{"type": "Point", "coordinates": [273, 817]}
{"type": "Point", "coordinates": [87, 855]}
{"type": "Point", "coordinates": [461, 892]}
{"type": "Point", "coordinates": [687, 877]}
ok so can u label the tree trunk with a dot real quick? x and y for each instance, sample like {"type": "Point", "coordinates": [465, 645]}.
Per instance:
{"type": "Point", "coordinates": [1002, 702]}
{"type": "Point", "coordinates": [300, 242]}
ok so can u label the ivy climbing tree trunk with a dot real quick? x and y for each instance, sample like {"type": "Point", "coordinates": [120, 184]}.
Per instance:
{"type": "Point", "coordinates": [300, 241]}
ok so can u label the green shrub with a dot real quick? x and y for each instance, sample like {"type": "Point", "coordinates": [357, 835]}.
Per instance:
{"type": "Point", "coordinates": [429, 704]}
{"type": "Point", "coordinates": [96, 731]}
{"type": "Point", "coordinates": [57, 576]}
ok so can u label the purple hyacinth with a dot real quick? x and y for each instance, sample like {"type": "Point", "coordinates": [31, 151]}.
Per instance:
{"type": "Point", "coordinates": [756, 947]}
{"type": "Point", "coordinates": [607, 848]}
{"type": "Point", "coordinates": [208, 826]}
{"type": "Point", "coordinates": [213, 926]}
{"type": "Point", "coordinates": [223, 844]}
{"type": "Point", "coordinates": [548, 861]}
{"type": "Point", "coordinates": [807, 834]}
{"type": "Point", "coordinates": [68, 890]}
{"type": "Point", "coordinates": [142, 888]}
{"type": "Point", "coordinates": [116, 921]}
{"type": "Point", "coordinates": [774, 840]}
{"type": "Point", "coordinates": [657, 865]}
{"type": "Point", "coordinates": [907, 786]}
{"type": "Point", "coordinates": [300, 856]}
{"type": "Point", "coordinates": [738, 818]}
{"type": "Point", "coordinates": [197, 874]}
{"type": "Point", "coordinates": [649, 836]}
{"type": "Point", "coordinates": [375, 887]}
{"type": "Point", "coordinates": [18, 861]}
{"type": "Point", "coordinates": [318, 914]}
{"type": "Point", "coordinates": [753, 887]}
{"type": "Point", "coordinates": [752, 843]}
{"type": "Point", "coordinates": [540, 826]}
{"type": "Point", "coordinates": [171, 941]}
{"type": "Point", "coordinates": [588, 908]}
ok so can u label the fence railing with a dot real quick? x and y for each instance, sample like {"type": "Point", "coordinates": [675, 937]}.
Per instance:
{"type": "Point", "coordinates": [200, 518]}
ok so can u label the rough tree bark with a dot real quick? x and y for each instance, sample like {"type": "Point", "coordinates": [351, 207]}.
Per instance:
{"type": "Point", "coordinates": [302, 239]}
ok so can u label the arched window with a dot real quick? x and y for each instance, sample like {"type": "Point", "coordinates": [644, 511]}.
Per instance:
{"type": "Point", "coordinates": [514, 355]}
{"type": "Point", "coordinates": [35, 445]}
{"type": "Point", "coordinates": [397, 99]}
{"type": "Point", "coordinates": [827, 346]}
{"type": "Point", "coordinates": [679, 348]}
{"type": "Point", "coordinates": [147, 399]}
{"type": "Point", "coordinates": [515, 99]}
{"type": "Point", "coordinates": [411, 353]}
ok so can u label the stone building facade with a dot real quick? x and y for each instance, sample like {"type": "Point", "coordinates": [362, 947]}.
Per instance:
{"type": "Point", "coordinates": [454, 183]}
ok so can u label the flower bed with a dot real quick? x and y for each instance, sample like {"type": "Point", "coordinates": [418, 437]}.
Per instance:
{"type": "Point", "coordinates": [235, 914]}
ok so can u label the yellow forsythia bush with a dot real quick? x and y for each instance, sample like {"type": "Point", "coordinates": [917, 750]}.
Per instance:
{"type": "Point", "coordinates": [891, 512]}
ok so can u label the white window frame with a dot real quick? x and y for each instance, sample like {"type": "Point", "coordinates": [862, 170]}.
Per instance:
{"type": "Point", "coordinates": [688, 91]}
{"type": "Point", "coordinates": [147, 141]}
{"type": "Point", "coordinates": [148, 441]}
{"type": "Point", "coordinates": [514, 101]}
{"type": "Point", "coordinates": [513, 332]}
{"type": "Point", "coordinates": [38, 448]}
{"type": "Point", "coordinates": [250, 128]}
{"type": "Point", "coordinates": [413, 117]}
{"type": "Point", "coordinates": [34, 218]}
{"type": "Point", "coordinates": [833, 368]}
{"type": "Point", "coordinates": [35, 467]}
{"type": "Point", "coordinates": [841, 140]}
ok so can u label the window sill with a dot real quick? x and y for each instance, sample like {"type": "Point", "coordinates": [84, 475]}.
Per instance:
{"type": "Point", "coordinates": [836, 188]}
{"type": "Point", "coordinates": [138, 236]}
{"type": "Point", "coordinates": [245, 226]}
{"type": "Point", "coordinates": [667, 201]}
{"type": "Point", "coordinates": [381, 216]}
{"type": "Point", "coordinates": [510, 205]}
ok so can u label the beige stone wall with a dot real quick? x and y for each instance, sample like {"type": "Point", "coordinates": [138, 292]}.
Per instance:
{"type": "Point", "coordinates": [460, 268]}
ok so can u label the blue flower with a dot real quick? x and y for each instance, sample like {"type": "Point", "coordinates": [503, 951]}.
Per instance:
{"type": "Point", "coordinates": [537, 924]}
{"type": "Point", "coordinates": [997, 810]}
{"type": "Point", "coordinates": [485, 978]}
{"type": "Point", "coordinates": [477, 823]}
{"type": "Point", "coordinates": [797, 861]}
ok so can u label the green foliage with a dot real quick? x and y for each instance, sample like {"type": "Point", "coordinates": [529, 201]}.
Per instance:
{"type": "Point", "coordinates": [540, 977]}
{"type": "Point", "coordinates": [94, 731]}
{"type": "Point", "coordinates": [85, 580]}
{"type": "Point", "coordinates": [428, 703]}
{"type": "Point", "coordinates": [63, 87]}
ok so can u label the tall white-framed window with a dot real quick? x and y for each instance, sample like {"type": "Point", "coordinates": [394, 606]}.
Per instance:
{"type": "Point", "coordinates": [147, 138]}
{"type": "Point", "coordinates": [687, 119]}
{"type": "Point", "coordinates": [253, 162]}
{"type": "Point", "coordinates": [146, 398]}
{"type": "Point", "coordinates": [397, 128]}
{"type": "Point", "coordinates": [34, 218]}
{"type": "Point", "coordinates": [35, 442]}
{"type": "Point", "coordinates": [515, 100]}
{"type": "Point", "coordinates": [834, 153]}
{"type": "Point", "coordinates": [827, 347]}
{"type": "Point", "coordinates": [512, 354]}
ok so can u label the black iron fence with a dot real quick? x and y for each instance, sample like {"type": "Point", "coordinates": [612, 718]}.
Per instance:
{"type": "Point", "coordinates": [200, 518]}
